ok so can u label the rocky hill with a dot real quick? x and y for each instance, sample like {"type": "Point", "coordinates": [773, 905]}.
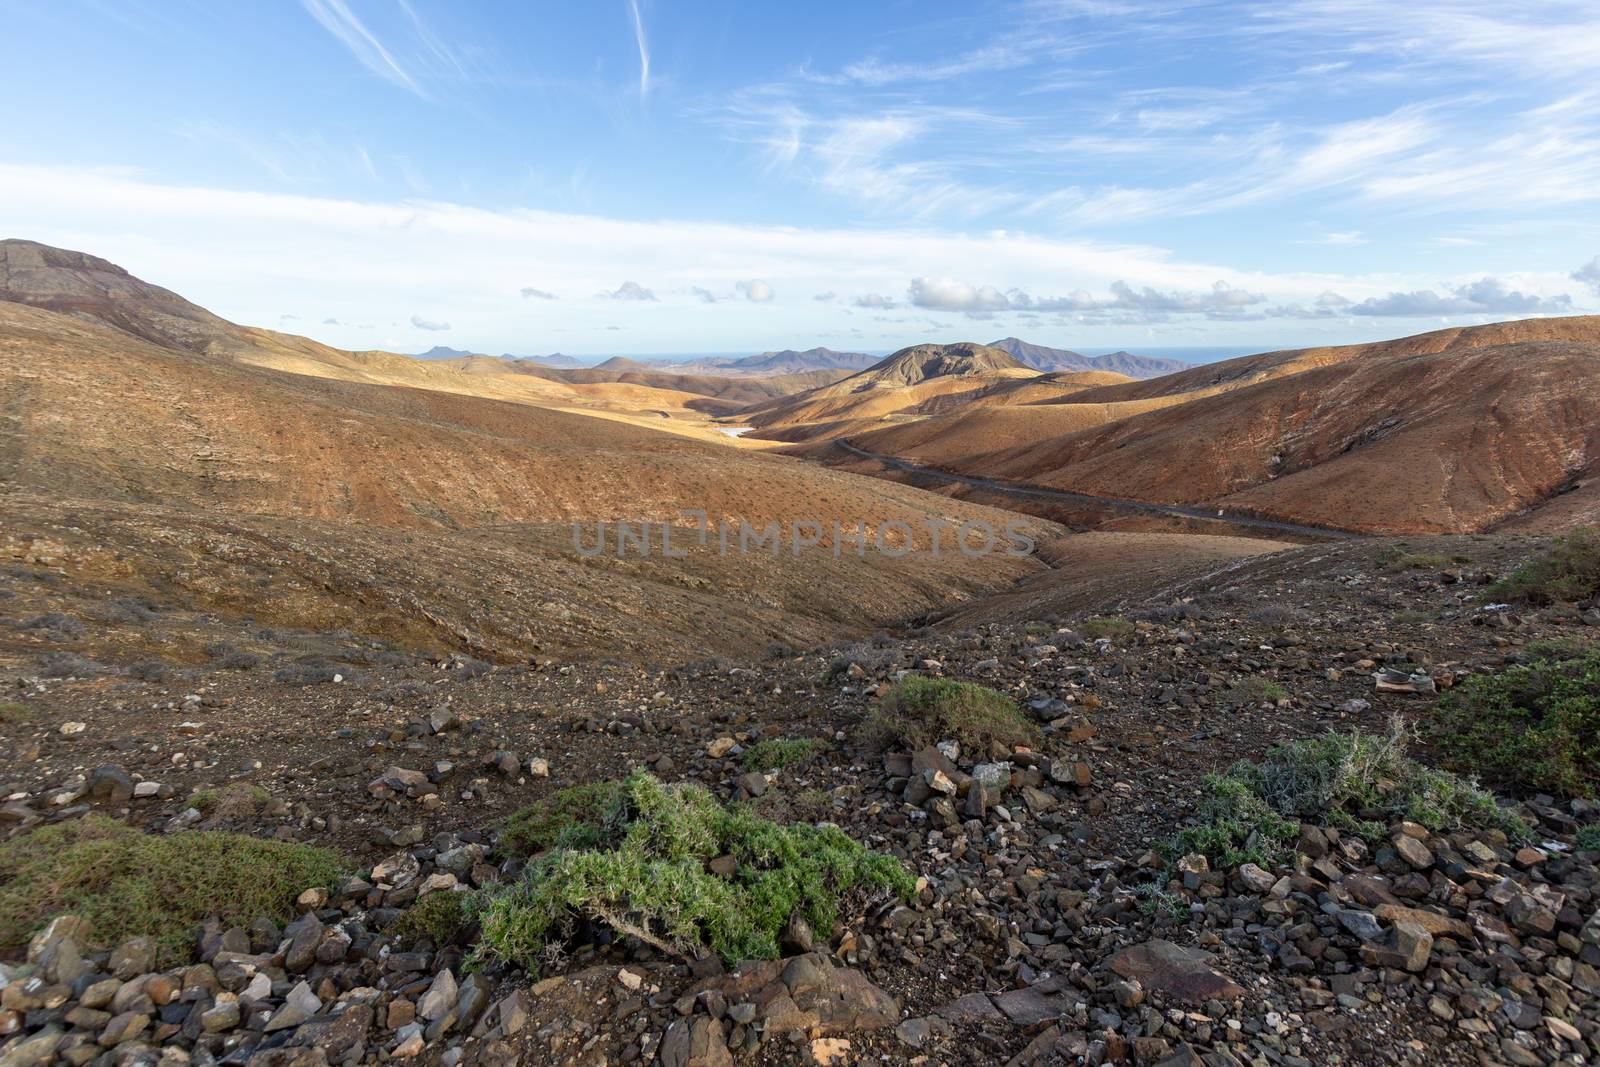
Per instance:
{"type": "Point", "coordinates": [904, 383]}
{"type": "Point", "coordinates": [1044, 358]}
{"type": "Point", "coordinates": [1451, 431]}
{"type": "Point", "coordinates": [220, 459]}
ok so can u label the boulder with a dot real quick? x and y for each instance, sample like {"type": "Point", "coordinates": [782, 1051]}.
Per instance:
{"type": "Point", "coordinates": [1185, 974]}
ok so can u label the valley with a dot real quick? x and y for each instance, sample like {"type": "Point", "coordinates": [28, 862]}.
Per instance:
{"type": "Point", "coordinates": [1039, 533]}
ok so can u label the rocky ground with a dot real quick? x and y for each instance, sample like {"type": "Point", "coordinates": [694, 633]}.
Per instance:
{"type": "Point", "coordinates": [1048, 927]}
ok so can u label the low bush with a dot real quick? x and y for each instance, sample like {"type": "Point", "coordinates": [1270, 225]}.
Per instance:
{"type": "Point", "coordinates": [1532, 727]}
{"type": "Point", "coordinates": [307, 674]}
{"type": "Point", "coordinates": [440, 917]}
{"type": "Point", "coordinates": [13, 713]}
{"type": "Point", "coordinates": [70, 665]}
{"type": "Point", "coordinates": [922, 711]}
{"type": "Point", "coordinates": [236, 800]}
{"type": "Point", "coordinates": [1280, 615]}
{"type": "Point", "coordinates": [55, 626]}
{"type": "Point", "coordinates": [654, 882]}
{"type": "Point", "coordinates": [777, 753]}
{"type": "Point", "coordinates": [126, 610]}
{"type": "Point", "coordinates": [1256, 690]}
{"type": "Point", "coordinates": [152, 670]}
{"type": "Point", "coordinates": [1568, 572]}
{"type": "Point", "coordinates": [1101, 626]}
{"type": "Point", "coordinates": [1399, 558]}
{"type": "Point", "coordinates": [583, 816]}
{"type": "Point", "coordinates": [1357, 782]}
{"type": "Point", "coordinates": [126, 883]}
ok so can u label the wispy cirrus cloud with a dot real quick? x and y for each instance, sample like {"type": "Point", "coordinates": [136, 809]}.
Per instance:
{"type": "Point", "coordinates": [336, 17]}
{"type": "Point", "coordinates": [644, 49]}
{"type": "Point", "coordinates": [1339, 239]}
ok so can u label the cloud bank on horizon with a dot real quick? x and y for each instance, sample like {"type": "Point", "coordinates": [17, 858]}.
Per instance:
{"type": "Point", "coordinates": [653, 178]}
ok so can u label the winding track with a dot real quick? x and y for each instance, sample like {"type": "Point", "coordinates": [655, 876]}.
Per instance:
{"type": "Point", "coordinates": [1024, 489]}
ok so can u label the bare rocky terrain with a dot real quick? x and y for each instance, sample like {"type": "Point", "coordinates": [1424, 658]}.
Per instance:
{"type": "Point", "coordinates": [1047, 928]}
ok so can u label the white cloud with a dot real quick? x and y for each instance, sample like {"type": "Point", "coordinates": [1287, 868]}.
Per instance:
{"type": "Point", "coordinates": [252, 257]}
{"type": "Point", "coordinates": [947, 294]}
{"type": "Point", "coordinates": [425, 324]}
{"type": "Point", "coordinates": [826, 298]}
{"type": "Point", "coordinates": [1487, 296]}
{"type": "Point", "coordinates": [706, 296]}
{"type": "Point", "coordinates": [530, 292]}
{"type": "Point", "coordinates": [755, 290]}
{"type": "Point", "coordinates": [628, 291]}
{"type": "Point", "coordinates": [1340, 239]}
{"type": "Point", "coordinates": [1589, 274]}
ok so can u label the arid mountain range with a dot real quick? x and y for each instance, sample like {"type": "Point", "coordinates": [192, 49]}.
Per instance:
{"type": "Point", "coordinates": [789, 361]}
{"type": "Point", "coordinates": [1452, 431]}
{"type": "Point", "coordinates": [554, 359]}
{"type": "Point", "coordinates": [1042, 357]}
{"type": "Point", "coordinates": [161, 445]}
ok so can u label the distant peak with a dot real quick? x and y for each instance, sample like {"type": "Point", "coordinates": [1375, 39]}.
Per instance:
{"type": "Point", "coordinates": [921, 362]}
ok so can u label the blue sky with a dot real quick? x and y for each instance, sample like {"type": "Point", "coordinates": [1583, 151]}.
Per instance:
{"type": "Point", "coordinates": [621, 176]}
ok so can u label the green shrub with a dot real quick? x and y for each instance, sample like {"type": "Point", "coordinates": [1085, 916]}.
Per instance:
{"type": "Point", "coordinates": [13, 713]}
{"type": "Point", "coordinates": [1256, 690]}
{"type": "Point", "coordinates": [440, 917]}
{"type": "Point", "coordinates": [235, 800]}
{"type": "Point", "coordinates": [126, 883]}
{"type": "Point", "coordinates": [654, 883]}
{"type": "Point", "coordinates": [583, 816]}
{"type": "Point", "coordinates": [1155, 900]}
{"type": "Point", "coordinates": [1399, 558]}
{"type": "Point", "coordinates": [1357, 782]}
{"type": "Point", "coordinates": [1570, 571]}
{"type": "Point", "coordinates": [1236, 826]}
{"type": "Point", "coordinates": [1588, 838]}
{"type": "Point", "coordinates": [1103, 626]}
{"type": "Point", "coordinates": [777, 753]}
{"type": "Point", "coordinates": [1533, 727]}
{"type": "Point", "coordinates": [922, 711]}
